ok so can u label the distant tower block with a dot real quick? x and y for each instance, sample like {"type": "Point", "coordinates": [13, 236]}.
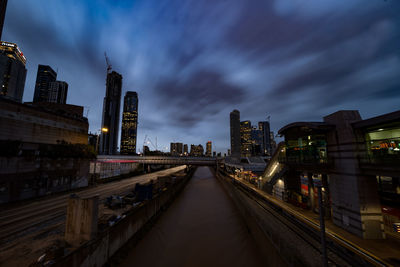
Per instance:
{"type": "Point", "coordinates": [82, 217]}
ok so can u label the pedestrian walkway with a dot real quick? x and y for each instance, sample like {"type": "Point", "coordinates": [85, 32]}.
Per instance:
{"type": "Point", "coordinates": [201, 228]}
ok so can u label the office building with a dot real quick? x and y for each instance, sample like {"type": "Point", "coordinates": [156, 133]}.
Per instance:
{"type": "Point", "coordinates": [185, 150]}
{"type": "Point", "coordinates": [235, 133]}
{"type": "Point", "coordinates": [245, 138]}
{"type": "Point", "coordinates": [196, 151]}
{"type": "Point", "coordinates": [266, 142]}
{"type": "Point", "coordinates": [208, 149]}
{"type": "Point", "coordinates": [176, 149]}
{"type": "Point", "coordinates": [111, 110]}
{"type": "Point", "coordinates": [257, 142]}
{"type": "Point", "coordinates": [58, 91]}
{"type": "Point", "coordinates": [45, 76]}
{"type": "Point", "coordinates": [3, 7]}
{"type": "Point", "coordinates": [12, 71]}
{"type": "Point", "coordinates": [129, 123]}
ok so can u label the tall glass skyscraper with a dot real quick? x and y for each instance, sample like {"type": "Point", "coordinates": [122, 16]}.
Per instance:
{"type": "Point", "coordinates": [129, 123]}
{"type": "Point", "coordinates": [45, 76]}
{"type": "Point", "coordinates": [111, 111]}
{"type": "Point", "coordinates": [235, 133]}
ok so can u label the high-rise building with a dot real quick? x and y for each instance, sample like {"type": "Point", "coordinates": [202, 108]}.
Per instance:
{"type": "Point", "coordinates": [12, 71]}
{"type": "Point", "coordinates": [3, 7]}
{"type": "Point", "coordinates": [58, 91]}
{"type": "Point", "coordinates": [185, 150]}
{"type": "Point", "coordinates": [235, 133]}
{"type": "Point", "coordinates": [208, 149]}
{"type": "Point", "coordinates": [111, 110]}
{"type": "Point", "coordinates": [129, 123]}
{"type": "Point", "coordinates": [45, 76]}
{"type": "Point", "coordinates": [196, 151]}
{"type": "Point", "coordinates": [176, 149]}
{"type": "Point", "coordinates": [245, 137]}
{"type": "Point", "coordinates": [265, 128]}
{"type": "Point", "coordinates": [257, 142]}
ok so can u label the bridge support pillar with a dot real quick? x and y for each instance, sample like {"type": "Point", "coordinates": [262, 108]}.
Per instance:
{"type": "Point", "coordinates": [81, 223]}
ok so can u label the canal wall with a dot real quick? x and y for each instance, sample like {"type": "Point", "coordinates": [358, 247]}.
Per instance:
{"type": "Point", "coordinates": [275, 235]}
{"type": "Point", "coordinates": [98, 251]}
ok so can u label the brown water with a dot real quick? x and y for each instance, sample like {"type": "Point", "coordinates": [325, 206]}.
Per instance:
{"type": "Point", "coordinates": [201, 228]}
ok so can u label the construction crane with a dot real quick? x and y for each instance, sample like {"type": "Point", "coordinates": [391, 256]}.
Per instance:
{"type": "Point", "coordinates": [107, 62]}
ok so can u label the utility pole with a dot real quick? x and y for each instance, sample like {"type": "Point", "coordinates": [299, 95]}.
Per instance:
{"type": "Point", "coordinates": [322, 226]}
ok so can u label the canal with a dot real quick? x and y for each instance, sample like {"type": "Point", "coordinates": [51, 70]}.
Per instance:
{"type": "Point", "coordinates": [202, 227]}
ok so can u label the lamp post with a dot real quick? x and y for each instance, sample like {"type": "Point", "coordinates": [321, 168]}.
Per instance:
{"type": "Point", "coordinates": [322, 226]}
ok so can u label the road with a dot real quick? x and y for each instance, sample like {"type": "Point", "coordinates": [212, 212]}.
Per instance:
{"type": "Point", "coordinates": [27, 218]}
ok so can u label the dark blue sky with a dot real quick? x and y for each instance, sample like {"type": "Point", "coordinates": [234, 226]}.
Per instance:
{"type": "Point", "coordinates": [192, 62]}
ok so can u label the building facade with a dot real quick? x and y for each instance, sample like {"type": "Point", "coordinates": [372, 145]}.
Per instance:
{"type": "Point", "coordinates": [209, 149]}
{"type": "Point", "coordinates": [185, 150]}
{"type": "Point", "coordinates": [111, 111]}
{"type": "Point", "coordinates": [129, 123]}
{"type": "Point", "coordinates": [58, 91]}
{"type": "Point", "coordinates": [266, 137]}
{"type": "Point", "coordinates": [176, 149]}
{"type": "Point", "coordinates": [235, 133]}
{"type": "Point", "coordinates": [196, 151]}
{"type": "Point", "coordinates": [12, 71]}
{"type": "Point", "coordinates": [257, 148]}
{"type": "Point", "coordinates": [356, 161]}
{"type": "Point", "coordinates": [45, 76]}
{"type": "Point", "coordinates": [245, 139]}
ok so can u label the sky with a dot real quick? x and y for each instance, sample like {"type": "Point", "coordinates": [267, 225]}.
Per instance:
{"type": "Point", "coordinates": [192, 62]}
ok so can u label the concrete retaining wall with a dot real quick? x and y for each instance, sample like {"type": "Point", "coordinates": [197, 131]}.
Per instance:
{"type": "Point", "coordinates": [98, 251]}
{"type": "Point", "coordinates": [277, 237]}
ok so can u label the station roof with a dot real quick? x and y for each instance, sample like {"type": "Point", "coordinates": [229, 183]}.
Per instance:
{"type": "Point", "coordinates": [388, 120]}
{"type": "Point", "coordinates": [320, 126]}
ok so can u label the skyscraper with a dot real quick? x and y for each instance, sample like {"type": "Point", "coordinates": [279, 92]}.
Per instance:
{"type": "Point", "coordinates": [12, 71]}
{"type": "Point", "coordinates": [257, 142]}
{"type": "Point", "coordinates": [235, 133]}
{"type": "Point", "coordinates": [111, 110]}
{"type": "Point", "coordinates": [129, 123]}
{"type": "Point", "coordinates": [176, 149]}
{"type": "Point", "coordinates": [58, 91]}
{"type": "Point", "coordinates": [45, 76]}
{"type": "Point", "coordinates": [208, 149]}
{"type": "Point", "coordinates": [185, 150]}
{"type": "Point", "coordinates": [245, 137]}
{"type": "Point", "coordinates": [265, 128]}
{"type": "Point", "coordinates": [3, 7]}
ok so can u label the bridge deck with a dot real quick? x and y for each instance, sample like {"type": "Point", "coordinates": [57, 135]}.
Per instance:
{"type": "Point", "coordinates": [201, 228]}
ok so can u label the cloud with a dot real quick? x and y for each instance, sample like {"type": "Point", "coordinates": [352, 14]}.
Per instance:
{"type": "Point", "coordinates": [193, 62]}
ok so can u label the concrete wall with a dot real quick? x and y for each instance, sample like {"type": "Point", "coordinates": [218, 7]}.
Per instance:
{"type": "Point", "coordinates": [283, 238]}
{"type": "Point", "coordinates": [355, 200]}
{"type": "Point", "coordinates": [24, 178]}
{"type": "Point", "coordinates": [36, 125]}
{"type": "Point", "coordinates": [99, 250]}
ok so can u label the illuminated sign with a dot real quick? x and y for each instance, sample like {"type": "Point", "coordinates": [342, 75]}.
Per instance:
{"type": "Point", "coordinates": [7, 44]}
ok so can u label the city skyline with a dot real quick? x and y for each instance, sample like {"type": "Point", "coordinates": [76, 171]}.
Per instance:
{"type": "Point", "coordinates": [278, 75]}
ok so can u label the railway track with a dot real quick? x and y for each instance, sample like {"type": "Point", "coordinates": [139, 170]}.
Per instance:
{"type": "Point", "coordinates": [39, 214]}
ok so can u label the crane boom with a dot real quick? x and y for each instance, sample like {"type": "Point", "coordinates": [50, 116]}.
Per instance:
{"type": "Point", "coordinates": [107, 62]}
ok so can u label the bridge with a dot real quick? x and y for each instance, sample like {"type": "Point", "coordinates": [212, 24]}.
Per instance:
{"type": "Point", "coordinates": [160, 160]}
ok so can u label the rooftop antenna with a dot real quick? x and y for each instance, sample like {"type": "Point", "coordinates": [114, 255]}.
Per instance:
{"type": "Point", "coordinates": [107, 62]}
{"type": "Point", "coordinates": [87, 111]}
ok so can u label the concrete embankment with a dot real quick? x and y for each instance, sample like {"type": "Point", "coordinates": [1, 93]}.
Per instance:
{"type": "Point", "coordinates": [201, 228]}
{"type": "Point", "coordinates": [98, 251]}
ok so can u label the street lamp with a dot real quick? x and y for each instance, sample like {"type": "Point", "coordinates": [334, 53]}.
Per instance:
{"type": "Point", "coordinates": [104, 130]}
